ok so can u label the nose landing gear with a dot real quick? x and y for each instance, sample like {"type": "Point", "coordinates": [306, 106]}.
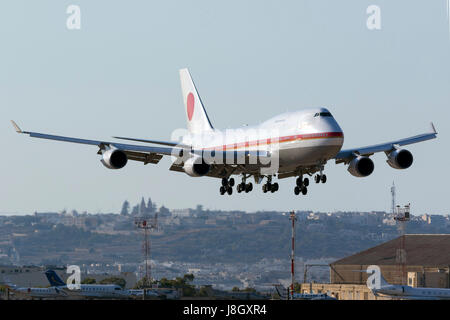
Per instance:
{"type": "Point", "coordinates": [320, 178]}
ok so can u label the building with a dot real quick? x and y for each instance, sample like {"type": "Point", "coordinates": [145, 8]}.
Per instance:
{"type": "Point", "coordinates": [426, 262]}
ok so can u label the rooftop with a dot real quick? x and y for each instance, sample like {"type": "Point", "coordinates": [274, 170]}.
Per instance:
{"type": "Point", "coordinates": [421, 250]}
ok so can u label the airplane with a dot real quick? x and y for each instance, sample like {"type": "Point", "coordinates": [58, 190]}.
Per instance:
{"type": "Point", "coordinates": [285, 294]}
{"type": "Point", "coordinates": [87, 290]}
{"type": "Point", "coordinates": [292, 144]}
{"type": "Point", "coordinates": [39, 293]}
{"type": "Point", "coordinates": [409, 293]}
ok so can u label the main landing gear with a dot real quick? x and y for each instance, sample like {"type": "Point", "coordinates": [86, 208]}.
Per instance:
{"type": "Point", "coordinates": [269, 186]}
{"type": "Point", "coordinates": [301, 186]}
{"type": "Point", "coordinates": [227, 186]}
{"type": "Point", "coordinates": [247, 187]}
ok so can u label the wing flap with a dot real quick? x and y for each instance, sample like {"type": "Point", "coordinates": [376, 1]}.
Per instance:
{"type": "Point", "coordinates": [166, 143]}
{"type": "Point", "coordinates": [144, 157]}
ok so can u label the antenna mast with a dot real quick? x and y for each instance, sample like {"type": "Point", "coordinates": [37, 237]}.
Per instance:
{"type": "Point", "coordinates": [147, 225]}
{"type": "Point", "coordinates": [293, 218]}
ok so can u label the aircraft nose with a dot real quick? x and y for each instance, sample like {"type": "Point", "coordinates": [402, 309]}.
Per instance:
{"type": "Point", "coordinates": [330, 125]}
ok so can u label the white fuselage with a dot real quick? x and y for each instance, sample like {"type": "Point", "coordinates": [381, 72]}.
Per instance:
{"type": "Point", "coordinates": [97, 291]}
{"type": "Point", "coordinates": [302, 138]}
{"type": "Point", "coordinates": [407, 292]}
{"type": "Point", "coordinates": [39, 292]}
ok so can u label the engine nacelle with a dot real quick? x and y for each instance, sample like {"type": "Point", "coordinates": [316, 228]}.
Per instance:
{"type": "Point", "coordinates": [400, 159]}
{"type": "Point", "coordinates": [361, 166]}
{"type": "Point", "coordinates": [196, 167]}
{"type": "Point", "coordinates": [114, 159]}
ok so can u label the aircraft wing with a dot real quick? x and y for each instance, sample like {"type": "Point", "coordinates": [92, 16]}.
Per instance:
{"type": "Point", "coordinates": [146, 154]}
{"type": "Point", "coordinates": [151, 154]}
{"type": "Point", "coordinates": [348, 154]}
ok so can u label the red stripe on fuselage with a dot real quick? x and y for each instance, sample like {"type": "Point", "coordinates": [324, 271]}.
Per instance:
{"type": "Point", "coordinates": [309, 136]}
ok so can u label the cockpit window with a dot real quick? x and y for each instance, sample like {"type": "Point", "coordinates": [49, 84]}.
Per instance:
{"type": "Point", "coordinates": [323, 114]}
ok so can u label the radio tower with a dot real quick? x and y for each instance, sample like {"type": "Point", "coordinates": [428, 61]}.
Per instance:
{"type": "Point", "coordinates": [293, 218]}
{"type": "Point", "coordinates": [147, 225]}
{"type": "Point", "coordinates": [393, 197]}
{"type": "Point", "coordinates": [401, 216]}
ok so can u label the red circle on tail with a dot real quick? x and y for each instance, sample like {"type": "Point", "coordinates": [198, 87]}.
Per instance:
{"type": "Point", "coordinates": [190, 105]}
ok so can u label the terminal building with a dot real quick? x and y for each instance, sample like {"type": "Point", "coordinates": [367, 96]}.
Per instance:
{"type": "Point", "coordinates": [417, 260]}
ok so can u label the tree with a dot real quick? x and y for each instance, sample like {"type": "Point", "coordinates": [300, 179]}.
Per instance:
{"type": "Point", "coordinates": [114, 280]}
{"type": "Point", "coordinates": [142, 207]}
{"type": "Point", "coordinates": [88, 281]}
{"type": "Point", "coordinates": [151, 207]}
{"type": "Point", "coordinates": [125, 208]}
{"type": "Point", "coordinates": [180, 283]}
{"type": "Point", "coordinates": [135, 210]}
{"type": "Point", "coordinates": [188, 277]}
{"type": "Point", "coordinates": [143, 283]}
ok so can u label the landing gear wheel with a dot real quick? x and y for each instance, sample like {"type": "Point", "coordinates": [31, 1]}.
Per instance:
{"type": "Point", "coordinates": [222, 190]}
{"type": "Point", "coordinates": [304, 191]}
{"type": "Point", "coordinates": [230, 190]}
{"type": "Point", "coordinates": [299, 182]}
{"type": "Point", "coordinates": [224, 182]}
{"type": "Point", "coordinates": [239, 188]}
{"type": "Point", "coordinates": [324, 178]}
{"type": "Point", "coordinates": [297, 191]}
{"type": "Point", "coordinates": [231, 182]}
{"type": "Point", "coordinates": [317, 178]}
{"type": "Point", "coordinates": [306, 182]}
{"type": "Point", "coordinates": [248, 187]}
{"type": "Point", "coordinates": [274, 187]}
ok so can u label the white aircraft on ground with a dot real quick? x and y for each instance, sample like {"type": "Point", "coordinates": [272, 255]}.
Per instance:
{"type": "Point", "coordinates": [106, 291]}
{"type": "Point", "coordinates": [410, 293]}
{"type": "Point", "coordinates": [292, 144]}
{"type": "Point", "coordinates": [36, 293]}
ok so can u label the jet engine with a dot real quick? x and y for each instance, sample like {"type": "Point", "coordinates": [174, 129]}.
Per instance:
{"type": "Point", "coordinates": [114, 159]}
{"type": "Point", "coordinates": [361, 166]}
{"type": "Point", "coordinates": [400, 159]}
{"type": "Point", "coordinates": [196, 167]}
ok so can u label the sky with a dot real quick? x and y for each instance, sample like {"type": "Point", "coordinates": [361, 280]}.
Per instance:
{"type": "Point", "coordinates": [118, 76]}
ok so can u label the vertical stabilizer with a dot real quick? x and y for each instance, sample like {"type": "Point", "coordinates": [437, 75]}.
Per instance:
{"type": "Point", "coordinates": [197, 119]}
{"type": "Point", "coordinates": [54, 279]}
